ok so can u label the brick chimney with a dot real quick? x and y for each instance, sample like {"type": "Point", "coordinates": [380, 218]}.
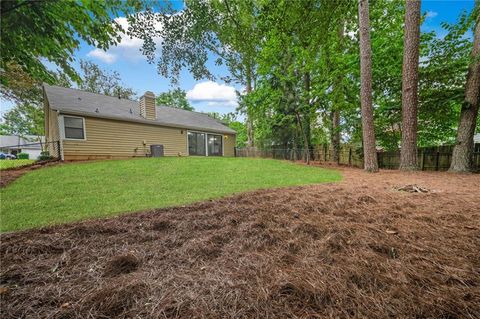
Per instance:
{"type": "Point", "coordinates": [147, 106]}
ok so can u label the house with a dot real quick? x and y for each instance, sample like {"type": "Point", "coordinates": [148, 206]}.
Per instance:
{"type": "Point", "coordinates": [96, 126]}
{"type": "Point", "coordinates": [14, 144]}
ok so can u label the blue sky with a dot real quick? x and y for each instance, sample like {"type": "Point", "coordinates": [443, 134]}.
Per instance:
{"type": "Point", "coordinates": [216, 96]}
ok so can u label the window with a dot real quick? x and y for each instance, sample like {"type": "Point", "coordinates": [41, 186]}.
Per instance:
{"type": "Point", "coordinates": [74, 127]}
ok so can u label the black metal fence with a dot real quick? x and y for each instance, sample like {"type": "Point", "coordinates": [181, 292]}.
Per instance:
{"type": "Point", "coordinates": [48, 150]}
{"type": "Point", "coordinates": [429, 158]}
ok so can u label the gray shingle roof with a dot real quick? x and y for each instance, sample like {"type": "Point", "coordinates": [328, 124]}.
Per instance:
{"type": "Point", "coordinates": [15, 141]}
{"type": "Point", "coordinates": [73, 101]}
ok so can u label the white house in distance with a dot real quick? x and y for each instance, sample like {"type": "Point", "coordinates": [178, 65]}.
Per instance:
{"type": "Point", "coordinates": [30, 144]}
{"type": "Point", "coordinates": [476, 138]}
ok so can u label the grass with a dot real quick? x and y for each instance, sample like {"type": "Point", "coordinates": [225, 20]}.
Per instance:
{"type": "Point", "coordinates": [4, 164]}
{"type": "Point", "coordinates": [79, 191]}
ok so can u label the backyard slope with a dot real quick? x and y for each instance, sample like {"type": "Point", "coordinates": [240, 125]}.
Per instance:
{"type": "Point", "coordinates": [359, 248]}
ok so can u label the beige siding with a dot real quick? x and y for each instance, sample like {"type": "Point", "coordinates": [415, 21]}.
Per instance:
{"type": "Point", "coordinates": [229, 144]}
{"type": "Point", "coordinates": [118, 139]}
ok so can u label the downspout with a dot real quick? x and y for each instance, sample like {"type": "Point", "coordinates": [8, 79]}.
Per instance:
{"type": "Point", "coordinates": [60, 136]}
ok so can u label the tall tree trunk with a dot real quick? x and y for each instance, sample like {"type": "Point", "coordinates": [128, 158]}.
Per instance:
{"type": "Point", "coordinates": [335, 137]}
{"type": "Point", "coordinates": [307, 117]}
{"type": "Point", "coordinates": [338, 104]}
{"type": "Point", "coordinates": [369, 151]}
{"type": "Point", "coordinates": [462, 157]}
{"type": "Point", "coordinates": [411, 46]}
{"type": "Point", "coordinates": [250, 130]}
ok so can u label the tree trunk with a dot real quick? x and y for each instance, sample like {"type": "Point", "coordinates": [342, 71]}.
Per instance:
{"type": "Point", "coordinates": [411, 45]}
{"type": "Point", "coordinates": [335, 138]}
{"type": "Point", "coordinates": [337, 106]}
{"type": "Point", "coordinates": [250, 132]}
{"type": "Point", "coordinates": [462, 157]}
{"type": "Point", "coordinates": [369, 151]}
{"type": "Point", "coordinates": [307, 117]}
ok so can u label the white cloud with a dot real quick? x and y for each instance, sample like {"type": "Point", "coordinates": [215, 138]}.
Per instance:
{"type": "Point", "coordinates": [127, 49]}
{"type": "Point", "coordinates": [102, 55]}
{"type": "Point", "coordinates": [213, 93]}
{"type": "Point", "coordinates": [431, 14]}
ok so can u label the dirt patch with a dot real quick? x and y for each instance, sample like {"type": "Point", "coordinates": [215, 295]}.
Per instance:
{"type": "Point", "coordinates": [356, 249]}
{"type": "Point", "coordinates": [9, 175]}
{"type": "Point", "coordinates": [122, 264]}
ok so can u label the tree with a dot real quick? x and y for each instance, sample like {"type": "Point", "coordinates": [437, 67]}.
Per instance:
{"type": "Point", "coordinates": [174, 98]}
{"type": "Point", "coordinates": [225, 28]}
{"type": "Point", "coordinates": [96, 80]}
{"type": "Point", "coordinates": [408, 151]}
{"type": "Point", "coordinates": [230, 119]}
{"type": "Point", "coordinates": [368, 133]}
{"type": "Point", "coordinates": [462, 157]}
{"type": "Point", "coordinates": [52, 30]}
{"type": "Point", "coordinates": [23, 119]}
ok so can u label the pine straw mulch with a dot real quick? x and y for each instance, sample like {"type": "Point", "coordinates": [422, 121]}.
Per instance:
{"type": "Point", "coordinates": [360, 248]}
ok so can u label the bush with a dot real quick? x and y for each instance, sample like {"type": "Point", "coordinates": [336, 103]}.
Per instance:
{"type": "Point", "coordinates": [23, 155]}
{"type": "Point", "coordinates": [45, 156]}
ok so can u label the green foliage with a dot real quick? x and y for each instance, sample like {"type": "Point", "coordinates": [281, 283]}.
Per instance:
{"type": "Point", "coordinates": [174, 98]}
{"type": "Point", "coordinates": [23, 155]}
{"type": "Point", "coordinates": [7, 164]}
{"type": "Point", "coordinates": [52, 30]}
{"type": "Point", "coordinates": [96, 80]}
{"type": "Point", "coordinates": [23, 119]}
{"type": "Point", "coordinates": [230, 119]}
{"type": "Point", "coordinates": [43, 197]}
{"type": "Point", "coordinates": [45, 156]}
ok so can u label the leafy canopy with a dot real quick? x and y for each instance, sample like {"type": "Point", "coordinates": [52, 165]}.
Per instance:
{"type": "Point", "coordinates": [36, 31]}
{"type": "Point", "coordinates": [174, 98]}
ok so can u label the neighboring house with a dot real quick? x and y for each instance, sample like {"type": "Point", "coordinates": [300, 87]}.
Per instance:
{"type": "Point", "coordinates": [96, 126]}
{"type": "Point", "coordinates": [30, 144]}
{"type": "Point", "coordinates": [476, 138]}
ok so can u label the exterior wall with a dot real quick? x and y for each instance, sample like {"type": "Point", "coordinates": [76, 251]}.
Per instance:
{"type": "Point", "coordinates": [107, 139]}
{"type": "Point", "coordinates": [229, 141]}
{"type": "Point", "coordinates": [32, 153]}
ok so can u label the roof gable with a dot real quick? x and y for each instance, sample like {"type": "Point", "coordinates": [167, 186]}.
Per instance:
{"type": "Point", "coordinates": [84, 103]}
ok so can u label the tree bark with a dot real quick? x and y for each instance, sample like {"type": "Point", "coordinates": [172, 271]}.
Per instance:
{"type": "Point", "coordinates": [335, 138]}
{"type": "Point", "coordinates": [369, 150]}
{"type": "Point", "coordinates": [307, 117]}
{"type": "Point", "coordinates": [411, 47]}
{"type": "Point", "coordinates": [339, 99]}
{"type": "Point", "coordinates": [462, 157]}
{"type": "Point", "coordinates": [250, 131]}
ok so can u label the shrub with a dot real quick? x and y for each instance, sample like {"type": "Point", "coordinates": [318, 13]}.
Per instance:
{"type": "Point", "coordinates": [23, 155]}
{"type": "Point", "coordinates": [45, 156]}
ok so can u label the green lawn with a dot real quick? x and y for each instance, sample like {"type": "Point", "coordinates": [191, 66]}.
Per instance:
{"type": "Point", "coordinates": [78, 191]}
{"type": "Point", "coordinates": [4, 164]}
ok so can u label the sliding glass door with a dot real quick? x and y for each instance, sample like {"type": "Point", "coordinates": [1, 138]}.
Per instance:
{"type": "Point", "coordinates": [196, 143]}
{"type": "Point", "coordinates": [203, 144]}
{"type": "Point", "coordinates": [215, 145]}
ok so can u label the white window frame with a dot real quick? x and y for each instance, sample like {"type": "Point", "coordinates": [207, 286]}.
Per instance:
{"type": "Point", "coordinates": [62, 128]}
{"type": "Point", "coordinates": [206, 142]}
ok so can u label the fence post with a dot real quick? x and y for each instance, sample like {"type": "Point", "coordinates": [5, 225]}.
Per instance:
{"type": "Point", "coordinates": [437, 161]}
{"type": "Point", "coordinates": [59, 151]}
{"type": "Point", "coordinates": [423, 160]}
{"type": "Point", "coordinates": [234, 151]}
{"type": "Point", "coordinates": [325, 152]}
{"type": "Point", "coordinates": [350, 156]}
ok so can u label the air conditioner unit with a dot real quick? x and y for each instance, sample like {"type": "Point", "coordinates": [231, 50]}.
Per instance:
{"type": "Point", "coordinates": [156, 150]}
